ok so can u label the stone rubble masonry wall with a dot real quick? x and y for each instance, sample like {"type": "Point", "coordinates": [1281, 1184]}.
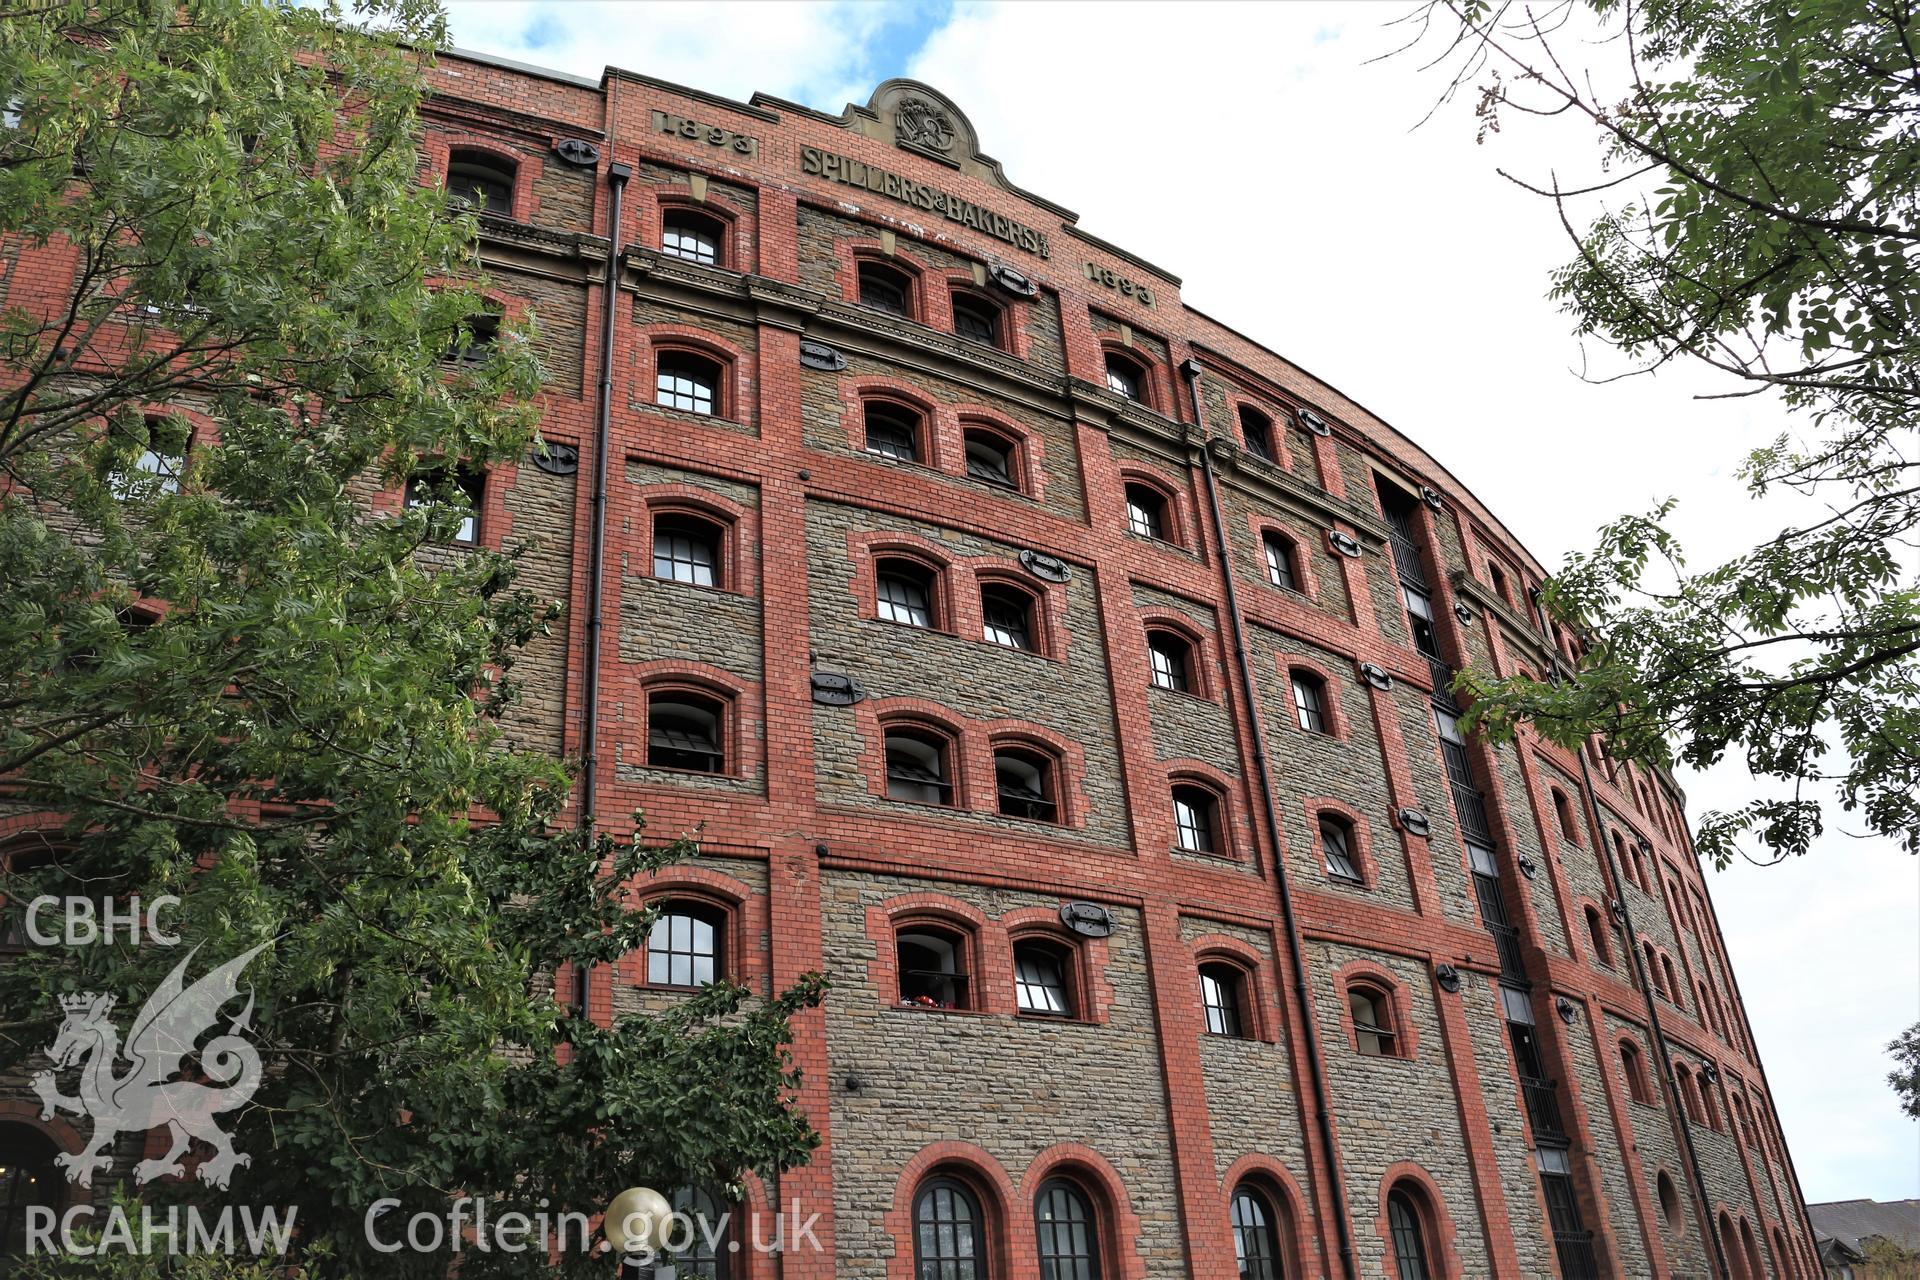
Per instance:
{"type": "Point", "coordinates": [1159, 1118]}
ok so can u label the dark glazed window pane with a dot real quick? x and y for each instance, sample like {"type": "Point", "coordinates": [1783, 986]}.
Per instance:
{"type": "Point", "coordinates": [930, 975]}
{"type": "Point", "coordinates": [1280, 563]}
{"type": "Point", "coordinates": [947, 1243]}
{"type": "Point", "coordinates": [976, 320]}
{"type": "Point", "coordinates": [1024, 780]}
{"type": "Point", "coordinates": [686, 382]}
{"type": "Point", "coordinates": [1372, 1026]}
{"type": "Point", "coordinates": [1064, 1233]}
{"type": "Point", "coordinates": [1146, 512]}
{"type": "Point", "coordinates": [1193, 819]}
{"type": "Point", "coordinates": [1039, 981]}
{"type": "Point", "coordinates": [884, 289]}
{"type": "Point", "coordinates": [1007, 616]}
{"type": "Point", "coordinates": [685, 549]}
{"type": "Point", "coordinates": [1409, 1245]}
{"type": "Point", "coordinates": [1123, 377]}
{"type": "Point", "coordinates": [1220, 997]}
{"type": "Point", "coordinates": [683, 732]}
{"type": "Point", "coordinates": [1258, 431]}
{"type": "Point", "coordinates": [480, 184]}
{"type": "Point", "coordinates": [681, 949]}
{"type": "Point", "coordinates": [689, 236]}
{"type": "Point", "coordinates": [893, 431]}
{"type": "Point", "coordinates": [1255, 1245]}
{"type": "Point", "coordinates": [1168, 655]}
{"type": "Point", "coordinates": [904, 594]}
{"type": "Point", "coordinates": [917, 768]}
{"type": "Point", "coordinates": [990, 459]}
{"type": "Point", "coordinates": [1307, 704]}
{"type": "Point", "coordinates": [1338, 849]}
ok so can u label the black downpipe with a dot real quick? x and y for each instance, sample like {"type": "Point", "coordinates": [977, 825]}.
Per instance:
{"type": "Point", "coordinates": [617, 175]}
{"type": "Point", "coordinates": [1250, 691]}
{"type": "Point", "coordinates": [1667, 1078]}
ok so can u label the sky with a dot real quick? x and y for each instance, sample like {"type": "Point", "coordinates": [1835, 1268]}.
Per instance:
{"type": "Point", "coordinates": [1268, 157]}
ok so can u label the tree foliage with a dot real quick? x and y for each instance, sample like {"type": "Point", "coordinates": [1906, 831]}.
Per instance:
{"type": "Point", "coordinates": [1905, 1076]}
{"type": "Point", "coordinates": [1756, 216]}
{"type": "Point", "coordinates": [244, 688]}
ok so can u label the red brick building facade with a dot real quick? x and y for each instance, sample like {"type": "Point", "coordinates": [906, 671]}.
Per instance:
{"type": "Point", "coordinates": [1063, 674]}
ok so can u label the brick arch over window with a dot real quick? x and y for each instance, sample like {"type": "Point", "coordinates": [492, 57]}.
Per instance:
{"type": "Point", "coordinates": [1050, 637]}
{"type": "Point", "coordinates": [990, 960]}
{"type": "Point", "coordinates": [1360, 836]}
{"type": "Point", "coordinates": [1297, 1241]}
{"type": "Point", "coordinates": [732, 899]}
{"type": "Point", "coordinates": [1177, 520]}
{"type": "Point", "coordinates": [1029, 447]}
{"type": "Point", "coordinates": [1379, 981]}
{"type": "Point", "coordinates": [1205, 677]}
{"type": "Point", "coordinates": [1259, 994]}
{"type": "Point", "coordinates": [1090, 956]}
{"type": "Point", "coordinates": [1306, 581]}
{"type": "Point", "coordinates": [875, 718]}
{"type": "Point", "coordinates": [1068, 756]}
{"type": "Point", "coordinates": [1275, 419]}
{"type": "Point", "coordinates": [738, 526]}
{"type": "Point", "coordinates": [927, 303]}
{"type": "Point", "coordinates": [740, 725]}
{"type": "Point", "coordinates": [527, 167]}
{"type": "Point", "coordinates": [1155, 390]}
{"type": "Point", "coordinates": [1118, 1225]}
{"type": "Point", "coordinates": [1015, 312]}
{"type": "Point", "coordinates": [734, 400]}
{"type": "Point", "coordinates": [957, 601]}
{"type": "Point", "coordinates": [651, 210]}
{"type": "Point", "coordinates": [1232, 838]}
{"type": "Point", "coordinates": [1331, 703]}
{"type": "Point", "coordinates": [1435, 1221]}
{"type": "Point", "coordinates": [1008, 1232]}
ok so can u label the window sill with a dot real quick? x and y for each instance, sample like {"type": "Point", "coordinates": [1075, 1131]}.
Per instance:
{"type": "Point", "coordinates": [1183, 693]}
{"type": "Point", "coordinates": [690, 773]}
{"type": "Point", "coordinates": [903, 1007]}
{"type": "Point", "coordinates": [698, 586]}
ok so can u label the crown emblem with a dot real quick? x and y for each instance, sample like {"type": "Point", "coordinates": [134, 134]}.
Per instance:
{"type": "Point", "coordinates": [81, 1002]}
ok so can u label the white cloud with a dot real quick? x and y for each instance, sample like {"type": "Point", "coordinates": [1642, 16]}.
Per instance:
{"type": "Point", "coordinates": [1252, 151]}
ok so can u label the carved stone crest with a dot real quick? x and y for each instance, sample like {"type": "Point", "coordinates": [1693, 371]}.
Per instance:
{"type": "Point", "coordinates": [918, 123]}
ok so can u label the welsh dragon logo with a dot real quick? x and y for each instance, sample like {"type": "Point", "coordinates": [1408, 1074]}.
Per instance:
{"type": "Point", "coordinates": [145, 1096]}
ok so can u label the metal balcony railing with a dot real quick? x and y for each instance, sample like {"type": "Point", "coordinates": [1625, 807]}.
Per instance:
{"type": "Point", "coordinates": [1506, 941]}
{"type": "Point", "coordinates": [1576, 1256]}
{"type": "Point", "coordinates": [1543, 1110]}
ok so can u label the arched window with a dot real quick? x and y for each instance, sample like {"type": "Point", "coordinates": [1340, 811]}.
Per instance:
{"type": "Point", "coordinates": [1280, 561]}
{"type": "Point", "coordinates": [1006, 615]}
{"type": "Point", "coordinates": [904, 591]}
{"type": "Point", "coordinates": [683, 380]}
{"type": "Point", "coordinates": [893, 430]}
{"type": "Point", "coordinates": [440, 485]}
{"type": "Point", "coordinates": [1040, 974]}
{"type": "Point", "coordinates": [1499, 581]}
{"type": "Point", "coordinates": [1338, 848]}
{"type": "Point", "coordinates": [1563, 814]}
{"type": "Point", "coordinates": [1709, 1109]}
{"type": "Point", "coordinates": [707, 1254]}
{"type": "Point", "coordinates": [1634, 1067]}
{"type": "Point", "coordinates": [918, 770]}
{"type": "Point", "coordinates": [1652, 964]}
{"type": "Point", "coordinates": [1670, 1202]}
{"type": "Point", "coordinates": [1146, 511]}
{"type": "Point", "coordinates": [1374, 1033]}
{"type": "Point", "coordinates": [1171, 658]}
{"type": "Point", "coordinates": [1750, 1247]}
{"type": "Point", "coordinates": [1256, 428]}
{"type": "Point", "coordinates": [1126, 377]}
{"type": "Point", "coordinates": [976, 319]}
{"type": "Point", "coordinates": [1223, 991]}
{"type": "Point", "coordinates": [991, 457]}
{"type": "Point", "coordinates": [1689, 1096]}
{"type": "Point", "coordinates": [1408, 1228]}
{"type": "Point", "coordinates": [28, 1178]}
{"type": "Point", "coordinates": [1310, 702]}
{"type": "Point", "coordinates": [686, 549]}
{"type": "Point", "coordinates": [1025, 781]}
{"type": "Point", "coordinates": [160, 464]}
{"type": "Point", "coordinates": [933, 966]}
{"type": "Point", "coordinates": [1256, 1236]}
{"type": "Point", "coordinates": [1730, 1247]}
{"type": "Point", "coordinates": [1196, 818]}
{"type": "Point", "coordinates": [1598, 935]}
{"type": "Point", "coordinates": [481, 333]}
{"type": "Point", "coordinates": [949, 1234]}
{"type": "Point", "coordinates": [1066, 1232]}
{"type": "Point", "coordinates": [886, 288]}
{"type": "Point", "coordinates": [686, 731]}
{"type": "Point", "coordinates": [480, 181]}
{"type": "Point", "coordinates": [684, 945]}
{"type": "Point", "coordinates": [693, 236]}
{"type": "Point", "coordinates": [1673, 979]}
